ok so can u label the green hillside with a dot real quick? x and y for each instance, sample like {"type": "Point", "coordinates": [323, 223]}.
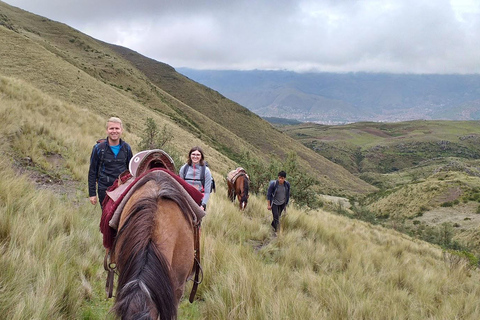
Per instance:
{"type": "Point", "coordinates": [428, 172]}
{"type": "Point", "coordinates": [108, 79]}
{"type": "Point", "coordinates": [388, 147]}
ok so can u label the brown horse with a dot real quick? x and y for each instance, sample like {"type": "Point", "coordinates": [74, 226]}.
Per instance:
{"type": "Point", "coordinates": [154, 248]}
{"type": "Point", "coordinates": [238, 187]}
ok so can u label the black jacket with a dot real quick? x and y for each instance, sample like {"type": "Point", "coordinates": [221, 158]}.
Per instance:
{"type": "Point", "coordinates": [105, 172]}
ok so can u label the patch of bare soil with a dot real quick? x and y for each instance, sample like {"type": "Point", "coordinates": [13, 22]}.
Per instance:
{"type": "Point", "coordinates": [376, 132]}
{"type": "Point", "coordinates": [63, 186]}
{"type": "Point", "coordinates": [463, 216]}
{"type": "Point", "coordinates": [450, 195]}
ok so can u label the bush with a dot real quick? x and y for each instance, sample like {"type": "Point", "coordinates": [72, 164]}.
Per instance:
{"type": "Point", "coordinates": [154, 138]}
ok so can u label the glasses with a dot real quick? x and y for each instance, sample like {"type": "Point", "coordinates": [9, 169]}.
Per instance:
{"type": "Point", "coordinates": [196, 155]}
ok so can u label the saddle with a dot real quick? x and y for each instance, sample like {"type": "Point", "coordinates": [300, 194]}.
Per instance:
{"type": "Point", "coordinates": [149, 159]}
{"type": "Point", "coordinates": [234, 174]}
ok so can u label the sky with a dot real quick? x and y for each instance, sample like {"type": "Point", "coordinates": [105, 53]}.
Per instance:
{"type": "Point", "coordinates": [394, 36]}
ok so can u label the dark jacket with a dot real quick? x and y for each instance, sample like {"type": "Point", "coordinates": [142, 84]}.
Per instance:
{"type": "Point", "coordinates": [107, 171]}
{"type": "Point", "coordinates": [272, 189]}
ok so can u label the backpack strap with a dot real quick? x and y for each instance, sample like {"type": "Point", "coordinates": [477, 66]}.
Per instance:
{"type": "Point", "coordinates": [202, 176]}
{"type": "Point", "coordinates": [102, 144]}
{"type": "Point", "coordinates": [185, 169]}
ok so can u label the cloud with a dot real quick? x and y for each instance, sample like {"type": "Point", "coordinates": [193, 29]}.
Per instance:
{"type": "Point", "coordinates": [409, 36]}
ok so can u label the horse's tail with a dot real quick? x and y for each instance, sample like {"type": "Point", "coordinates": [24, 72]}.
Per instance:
{"type": "Point", "coordinates": [245, 189]}
{"type": "Point", "coordinates": [144, 285]}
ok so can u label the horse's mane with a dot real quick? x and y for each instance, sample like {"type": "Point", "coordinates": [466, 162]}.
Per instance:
{"type": "Point", "coordinates": [145, 271]}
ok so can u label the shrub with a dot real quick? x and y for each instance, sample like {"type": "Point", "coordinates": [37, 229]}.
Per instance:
{"type": "Point", "coordinates": [154, 138]}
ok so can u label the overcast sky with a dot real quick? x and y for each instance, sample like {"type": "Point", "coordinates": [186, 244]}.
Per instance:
{"type": "Point", "coordinates": [401, 36]}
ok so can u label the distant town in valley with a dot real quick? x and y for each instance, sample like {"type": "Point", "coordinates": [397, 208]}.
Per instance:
{"type": "Point", "coordinates": [341, 98]}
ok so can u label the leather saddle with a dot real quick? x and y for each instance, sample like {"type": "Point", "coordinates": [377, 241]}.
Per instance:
{"type": "Point", "coordinates": [234, 174]}
{"type": "Point", "coordinates": [149, 159]}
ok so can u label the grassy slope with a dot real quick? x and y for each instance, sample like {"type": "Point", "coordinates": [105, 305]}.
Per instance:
{"type": "Point", "coordinates": [386, 147]}
{"type": "Point", "coordinates": [320, 266]}
{"type": "Point", "coordinates": [242, 123]}
{"type": "Point", "coordinates": [87, 72]}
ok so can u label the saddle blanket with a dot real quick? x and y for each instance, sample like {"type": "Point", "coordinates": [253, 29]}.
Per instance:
{"type": "Point", "coordinates": [234, 174]}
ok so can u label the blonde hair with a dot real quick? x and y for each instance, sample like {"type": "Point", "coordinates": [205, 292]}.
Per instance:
{"type": "Point", "coordinates": [115, 120]}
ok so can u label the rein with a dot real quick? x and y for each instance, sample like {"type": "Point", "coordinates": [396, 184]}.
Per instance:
{"type": "Point", "coordinates": [110, 267]}
{"type": "Point", "coordinates": [197, 268]}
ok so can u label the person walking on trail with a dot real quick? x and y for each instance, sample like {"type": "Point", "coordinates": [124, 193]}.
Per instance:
{"type": "Point", "coordinates": [110, 157]}
{"type": "Point", "coordinates": [278, 195]}
{"type": "Point", "coordinates": [196, 173]}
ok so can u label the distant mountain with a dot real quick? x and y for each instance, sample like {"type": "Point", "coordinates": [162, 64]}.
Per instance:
{"type": "Point", "coordinates": [348, 97]}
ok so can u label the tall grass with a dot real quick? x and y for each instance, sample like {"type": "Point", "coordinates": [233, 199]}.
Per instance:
{"type": "Point", "coordinates": [50, 256]}
{"type": "Point", "coordinates": [323, 266]}
{"type": "Point", "coordinates": [319, 266]}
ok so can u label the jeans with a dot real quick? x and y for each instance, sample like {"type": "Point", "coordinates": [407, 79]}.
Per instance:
{"type": "Point", "coordinates": [277, 213]}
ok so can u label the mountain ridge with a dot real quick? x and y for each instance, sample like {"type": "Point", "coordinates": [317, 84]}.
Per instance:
{"type": "Point", "coordinates": [347, 97]}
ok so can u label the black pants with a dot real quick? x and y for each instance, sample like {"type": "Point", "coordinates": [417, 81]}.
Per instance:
{"type": "Point", "coordinates": [101, 196]}
{"type": "Point", "coordinates": [277, 213]}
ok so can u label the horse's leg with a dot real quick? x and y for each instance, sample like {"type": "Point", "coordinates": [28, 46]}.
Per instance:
{"type": "Point", "coordinates": [231, 191]}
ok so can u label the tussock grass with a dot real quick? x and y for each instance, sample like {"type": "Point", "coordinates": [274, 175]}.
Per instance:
{"type": "Point", "coordinates": [49, 262]}
{"type": "Point", "coordinates": [319, 266]}
{"type": "Point", "coordinates": [323, 266]}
